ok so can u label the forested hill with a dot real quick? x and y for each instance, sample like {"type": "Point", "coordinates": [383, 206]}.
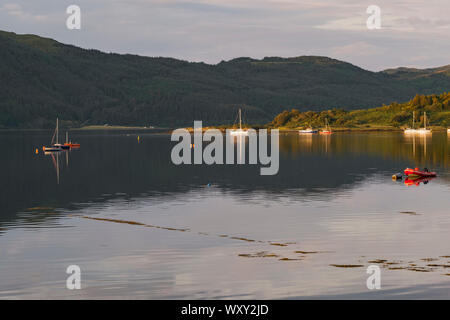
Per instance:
{"type": "Point", "coordinates": [41, 79]}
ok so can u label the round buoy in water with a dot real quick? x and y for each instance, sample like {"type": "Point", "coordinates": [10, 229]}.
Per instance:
{"type": "Point", "coordinates": [37, 151]}
{"type": "Point", "coordinates": [397, 176]}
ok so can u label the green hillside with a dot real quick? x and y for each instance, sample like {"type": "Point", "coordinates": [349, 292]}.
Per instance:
{"type": "Point", "coordinates": [397, 115]}
{"type": "Point", "coordinates": [42, 79]}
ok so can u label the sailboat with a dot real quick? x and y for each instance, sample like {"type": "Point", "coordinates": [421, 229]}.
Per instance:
{"type": "Point", "coordinates": [71, 144]}
{"type": "Point", "coordinates": [424, 130]}
{"type": "Point", "coordinates": [413, 129]}
{"type": "Point", "coordinates": [308, 130]}
{"type": "Point", "coordinates": [55, 146]}
{"type": "Point", "coordinates": [327, 129]}
{"type": "Point", "coordinates": [239, 132]}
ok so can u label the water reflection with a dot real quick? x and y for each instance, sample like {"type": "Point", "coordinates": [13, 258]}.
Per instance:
{"type": "Point", "coordinates": [409, 181]}
{"type": "Point", "coordinates": [310, 166]}
{"type": "Point", "coordinates": [420, 150]}
{"type": "Point", "coordinates": [55, 155]}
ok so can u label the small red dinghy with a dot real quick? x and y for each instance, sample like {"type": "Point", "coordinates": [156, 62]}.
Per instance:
{"type": "Point", "coordinates": [417, 172]}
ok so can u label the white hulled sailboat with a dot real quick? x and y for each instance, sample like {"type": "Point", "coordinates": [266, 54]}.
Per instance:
{"type": "Point", "coordinates": [240, 131]}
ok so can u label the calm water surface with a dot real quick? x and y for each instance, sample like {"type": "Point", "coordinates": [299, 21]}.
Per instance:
{"type": "Point", "coordinates": [140, 227]}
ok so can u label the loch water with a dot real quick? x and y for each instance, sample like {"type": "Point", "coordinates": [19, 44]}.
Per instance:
{"type": "Point", "coordinates": [140, 227]}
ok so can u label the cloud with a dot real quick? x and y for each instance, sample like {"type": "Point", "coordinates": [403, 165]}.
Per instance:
{"type": "Point", "coordinates": [360, 48]}
{"type": "Point", "coordinates": [356, 23]}
{"type": "Point", "coordinates": [16, 10]}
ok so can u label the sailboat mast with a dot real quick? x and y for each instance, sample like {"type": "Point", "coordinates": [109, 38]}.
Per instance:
{"type": "Point", "coordinates": [57, 130]}
{"type": "Point", "coordinates": [425, 120]}
{"type": "Point", "coordinates": [240, 120]}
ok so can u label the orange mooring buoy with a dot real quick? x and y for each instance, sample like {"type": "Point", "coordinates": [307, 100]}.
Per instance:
{"type": "Point", "coordinates": [37, 151]}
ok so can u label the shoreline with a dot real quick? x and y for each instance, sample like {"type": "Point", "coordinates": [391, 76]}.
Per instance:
{"type": "Point", "coordinates": [88, 128]}
{"type": "Point", "coordinates": [223, 130]}
{"type": "Point", "coordinates": [118, 127]}
{"type": "Point", "coordinates": [337, 129]}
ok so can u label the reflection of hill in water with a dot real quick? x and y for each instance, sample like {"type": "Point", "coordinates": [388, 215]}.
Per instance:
{"type": "Point", "coordinates": [420, 150]}
{"type": "Point", "coordinates": [110, 164]}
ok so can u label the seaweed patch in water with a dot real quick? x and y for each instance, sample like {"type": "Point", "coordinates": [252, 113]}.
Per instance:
{"type": "Point", "coordinates": [397, 268]}
{"type": "Point", "coordinates": [410, 213]}
{"type": "Point", "coordinates": [377, 261]}
{"type": "Point", "coordinates": [242, 239]}
{"type": "Point", "coordinates": [347, 265]}
{"type": "Point", "coordinates": [261, 254]}
{"type": "Point", "coordinates": [40, 209]}
{"type": "Point", "coordinates": [429, 259]}
{"type": "Point", "coordinates": [135, 223]}
{"type": "Point", "coordinates": [439, 265]}
{"type": "Point", "coordinates": [420, 269]}
{"type": "Point", "coordinates": [306, 252]}
{"type": "Point", "coordinates": [278, 244]}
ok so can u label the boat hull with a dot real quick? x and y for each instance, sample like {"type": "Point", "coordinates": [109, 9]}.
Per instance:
{"type": "Point", "coordinates": [72, 145]}
{"type": "Point", "coordinates": [51, 149]}
{"type": "Point", "coordinates": [61, 146]}
{"type": "Point", "coordinates": [418, 173]}
{"type": "Point", "coordinates": [307, 131]}
{"type": "Point", "coordinates": [239, 133]}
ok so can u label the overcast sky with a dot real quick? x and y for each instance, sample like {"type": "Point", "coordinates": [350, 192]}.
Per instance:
{"type": "Point", "coordinates": [414, 33]}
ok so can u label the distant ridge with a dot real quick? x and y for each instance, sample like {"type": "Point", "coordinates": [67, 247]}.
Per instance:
{"type": "Point", "coordinates": [43, 79]}
{"type": "Point", "coordinates": [445, 70]}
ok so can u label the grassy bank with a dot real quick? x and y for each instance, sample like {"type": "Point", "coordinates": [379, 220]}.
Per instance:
{"type": "Point", "coordinates": [395, 116]}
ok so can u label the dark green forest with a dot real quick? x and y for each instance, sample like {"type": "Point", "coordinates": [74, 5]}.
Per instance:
{"type": "Point", "coordinates": [395, 114]}
{"type": "Point", "coordinates": [41, 79]}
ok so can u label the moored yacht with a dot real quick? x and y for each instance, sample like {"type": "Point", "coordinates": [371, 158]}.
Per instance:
{"type": "Point", "coordinates": [413, 129]}
{"type": "Point", "coordinates": [240, 131]}
{"type": "Point", "coordinates": [327, 129]}
{"type": "Point", "coordinates": [308, 130]}
{"type": "Point", "coordinates": [55, 147]}
{"type": "Point", "coordinates": [424, 130]}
